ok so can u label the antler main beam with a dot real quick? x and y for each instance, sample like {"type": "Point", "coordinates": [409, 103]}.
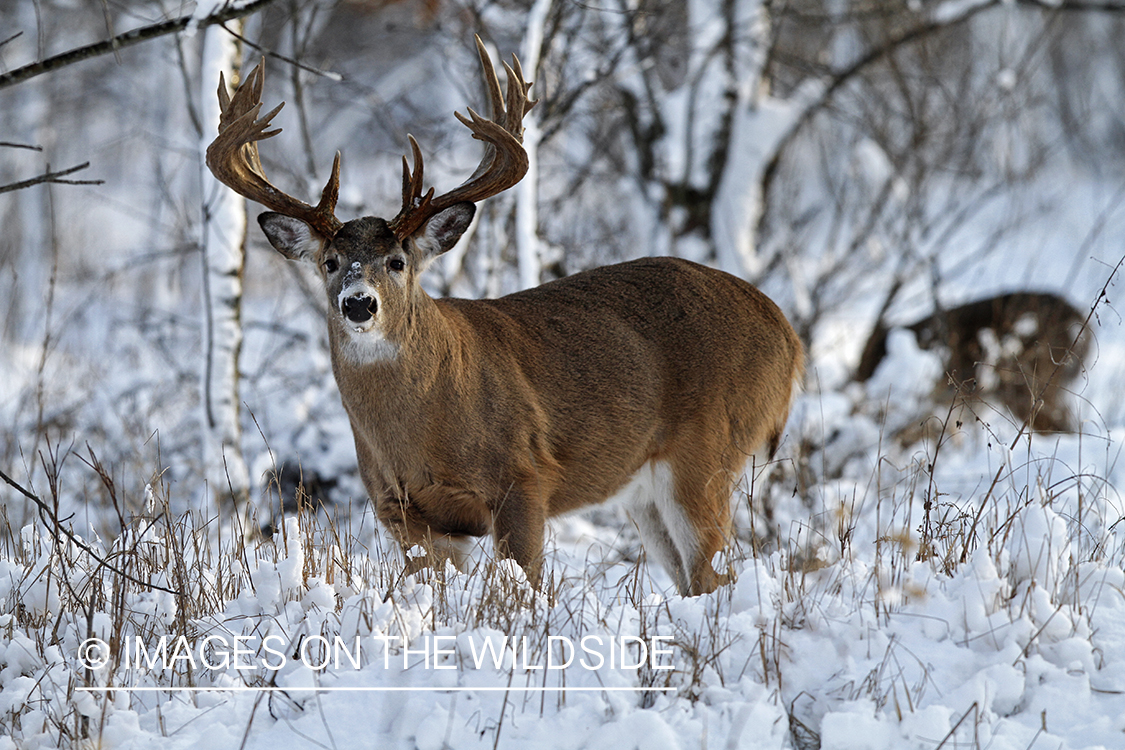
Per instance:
{"type": "Point", "coordinates": [504, 162]}
{"type": "Point", "coordinates": [234, 160]}
{"type": "Point", "coordinates": [233, 157]}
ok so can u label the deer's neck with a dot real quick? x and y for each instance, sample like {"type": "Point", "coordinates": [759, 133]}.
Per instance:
{"type": "Point", "coordinates": [401, 404]}
{"type": "Point", "coordinates": [396, 374]}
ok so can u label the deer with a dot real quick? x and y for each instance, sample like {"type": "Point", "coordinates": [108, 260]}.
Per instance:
{"type": "Point", "coordinates": [1023, 350]}
{"type": "Point", "coordinates": [655, 381]}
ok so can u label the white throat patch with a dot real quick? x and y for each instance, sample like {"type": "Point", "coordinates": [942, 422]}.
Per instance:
{"type": "Point", "coordinates": [364, 347]}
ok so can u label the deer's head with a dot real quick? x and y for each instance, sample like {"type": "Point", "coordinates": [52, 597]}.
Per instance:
{"type": "Point", "coordinates": [370, 266]}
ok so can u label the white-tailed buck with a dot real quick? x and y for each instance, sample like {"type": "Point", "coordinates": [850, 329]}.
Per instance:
{"type": "Point", "coordinates": [656, 378]}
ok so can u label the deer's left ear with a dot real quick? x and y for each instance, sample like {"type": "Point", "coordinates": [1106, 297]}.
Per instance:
{"type": "Point", "coordinates": [443, 230]}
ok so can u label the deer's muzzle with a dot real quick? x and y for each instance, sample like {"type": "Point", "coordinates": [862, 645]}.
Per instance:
{"type": "Point", "coordinates": [359, 308]}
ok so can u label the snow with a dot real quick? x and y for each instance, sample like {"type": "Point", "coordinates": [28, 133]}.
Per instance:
{"type": "Point", "coordinates": [871, 650]}
{"type": "Point", "coordinates": [950, 10]}
{"type": "Point", "coordinates": [842, 633]}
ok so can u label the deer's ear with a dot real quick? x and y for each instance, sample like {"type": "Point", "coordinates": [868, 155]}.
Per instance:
{"type": "Point", "coordinates": [443, 230]}
{"type": "Point", "coordinates": [291, 237]}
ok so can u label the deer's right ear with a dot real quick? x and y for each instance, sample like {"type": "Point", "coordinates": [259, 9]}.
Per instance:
{"type": "Point", "coordinates": [291, 237]}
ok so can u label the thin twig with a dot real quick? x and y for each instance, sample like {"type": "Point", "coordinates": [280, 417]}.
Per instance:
{"type": "Point", "coordinates": [52, 177]}
{"type": "Point", "coordinates": [28, 146]}
{"type": "Point", "coordinates": [331, 75]}
{"type": "Point", "coordinates": [128, 39]}
{"type": "Point", "coordinates": [970, 710]}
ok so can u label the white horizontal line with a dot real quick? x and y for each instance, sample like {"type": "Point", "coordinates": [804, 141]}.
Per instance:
{"type": "Point", "coordinates": [368, 689]}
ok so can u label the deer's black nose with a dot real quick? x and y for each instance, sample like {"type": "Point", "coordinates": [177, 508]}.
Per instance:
{"type": "Point", "coordinates": [359, 308]}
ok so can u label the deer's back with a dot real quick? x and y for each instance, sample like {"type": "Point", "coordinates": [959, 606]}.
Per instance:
{"type": "Point", "coordinates": [619, 363]}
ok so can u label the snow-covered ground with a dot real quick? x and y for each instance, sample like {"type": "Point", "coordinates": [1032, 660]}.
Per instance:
{"type": "Point", "coordinates": [993, 618]}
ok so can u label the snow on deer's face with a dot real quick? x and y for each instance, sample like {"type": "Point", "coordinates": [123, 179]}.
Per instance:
{"type": "Point", "coordinates": [370, 277]}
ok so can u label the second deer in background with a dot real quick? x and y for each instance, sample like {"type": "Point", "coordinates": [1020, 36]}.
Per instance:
{"type": "Point", "coordinates": [1021, 349]}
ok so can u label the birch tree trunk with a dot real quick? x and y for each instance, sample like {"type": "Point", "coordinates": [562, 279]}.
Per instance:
{"type": "Point", "coordinates": [23, 319]}
{"type": "Point", "coordinates": [755, 129]}
{"type": "Point", "coordinates": [708, 130]}
{"type": "Point", "coordinates": [704, 128]}
{"type": "Point", "coordinates": [527, 193]}
{"type": "Point", "coordinates": [224, 238]}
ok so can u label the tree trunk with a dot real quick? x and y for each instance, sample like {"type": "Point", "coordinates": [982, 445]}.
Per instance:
{"type": "Point", "coordinates": [224, 238]}
{"type": "Point", "coordinates": [527, 193]}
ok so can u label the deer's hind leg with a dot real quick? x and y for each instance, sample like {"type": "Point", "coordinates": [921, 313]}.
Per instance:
{"type": "Point", "coordinates": [692, 505]}
{"type": "Point", "coordinates": [649, 491]}
{"type": "Point", "coordinates": [701, 501]}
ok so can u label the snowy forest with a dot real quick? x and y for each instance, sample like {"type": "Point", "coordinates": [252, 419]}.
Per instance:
{"type": "Point", "coordinates": [933, 191]}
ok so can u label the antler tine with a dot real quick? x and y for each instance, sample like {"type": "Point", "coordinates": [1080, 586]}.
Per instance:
{"type": "Point", "coordinates": [234, 160]}
{"type": "Point", "coordinates": [224, 96]}
{"type": "Point", "coordinates": [504, 162]}
{"type": "Point", "coordinates": [517, 93]}
{"type": "Point", "coordinates": [496, 106]}
{"type": "Point", "coordinates": [412, 182]}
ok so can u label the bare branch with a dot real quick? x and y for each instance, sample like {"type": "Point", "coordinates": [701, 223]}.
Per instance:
{"type": "Point", "coordinates": [128, 39]}
{"type": "Point", "coordinates": [1080, 6]}
{"type": "Point", "coordinates": [938, 22]}
{"type": "Point", "coordinates": [28, 146]}
{"type": "Point", "coordinates": [15, 36]}
{"type": "Point", "coordinates": [52, 177]}
{"type": "Point", "coordinates": [841, 77]}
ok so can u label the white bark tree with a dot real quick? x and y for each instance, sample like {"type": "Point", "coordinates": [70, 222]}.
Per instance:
{"type": "Point", "coordinates": [707, 130]}
{"type": "Point", "coordinates": [527, 193]}
{"type": "Point", "coordinates": [224, 240]}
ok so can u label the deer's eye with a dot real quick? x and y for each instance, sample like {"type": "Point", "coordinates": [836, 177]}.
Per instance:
{"type": "Point", "coordinates": [396, 264]}
{"type": "Point", "coordinates": [331, 265]}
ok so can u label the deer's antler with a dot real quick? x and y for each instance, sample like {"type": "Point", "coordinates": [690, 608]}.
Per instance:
{"type": "Point", "coordinates": [233, 157]}
{"type": "Point", "coordinates": [504, 162]}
